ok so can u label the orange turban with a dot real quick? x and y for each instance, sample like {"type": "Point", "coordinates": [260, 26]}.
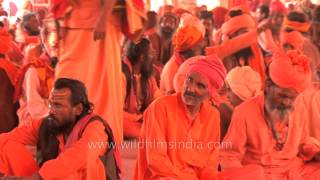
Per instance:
{"type": "Point", "coordinates": [293, 38]}
{"type": "Point", "coordinates": [189, 33]}
{"type": "Point", "coordinates": [244, 82]}
{"type": "Point", "coordinates": [211, 68]}
{"type": "Point", "coordinates": [5, 41]}
{"type": "Point", "coordinates": [219, 14]}
{"type": "Point", "coordinates": [236, 23]}
{"type": "Point", "coordinates": [295, 25]}
{"type": "Point", "coordinates": [290, 70]}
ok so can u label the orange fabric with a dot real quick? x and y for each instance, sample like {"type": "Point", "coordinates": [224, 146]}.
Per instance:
{"type": "Point", "coordinates": [168, 73]}
{"type": "Point", "coordinates": [253, 143]}
{"type": "Point", "coordinates": [257, 62]}
{"type": "Point", "coordinates": [165, 121]}
{"type": "Point", "coordinates": [236, 23]}
{"type": "Point", "coordinates": [290, 70]}
{"type": "Point", "coordinates": [9, 68]}
{"type": "Point", "coordinates": [309, 102]}
{"type": "Point", "coordinates": [68, 165]}
{"type": "Point", "coordinates": [98, 66]}
{"type": "Point", "coordinates": [293, 38]}
{"type": "Point", "coordinates": [59, 8]}
{"type": "Point", "coordinates": [186, 38]}
{"type": "Point", "coordinates": [179, 12]}
{"type": "Point", "coordinates": [231, 46]}
{"type": "Point", "coordinates": [46, 77]}
{"type": "Point", "coordinates": [5, 41]}
{"type": "Point", "coordinates": [211, 68]}
{"type": "Point", "coordinates": [298, 26]}
{"type": "Point", "coordinates": [244, 82]}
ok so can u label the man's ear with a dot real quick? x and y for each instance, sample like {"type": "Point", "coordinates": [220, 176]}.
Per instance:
{"type": "Point", "coordinates": [78, 109]}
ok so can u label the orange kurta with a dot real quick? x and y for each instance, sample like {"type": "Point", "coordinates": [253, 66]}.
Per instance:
{"type": "Point", "coordinates": [309, 102]}
{"type": "Point", "coordinates": [79, 161]}
{"type": "Point", "coordinates": [165, 121]}
{"type": "Point", "coordinates": [252, 143]}
{"type": "Point", "coordinates": [96, 63]}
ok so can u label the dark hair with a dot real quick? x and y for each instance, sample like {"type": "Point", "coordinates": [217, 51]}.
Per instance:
{"type": "Point", "coordinates": [206, 15]}
{"type": "Point", "coordinates": [235, 13]}
{"type": "Point", "coordinates": [26, 18]}
{"type": "Point", "coordinates": [297, 16]}
{"type": "Point", "coordinates": [264, 9]}
{"type": "Point", "coordinates": [78, 93]}
{"type": "Point", "coordinates": [316, 14]}
{"type": "Point", "coordinates": [133, 53]}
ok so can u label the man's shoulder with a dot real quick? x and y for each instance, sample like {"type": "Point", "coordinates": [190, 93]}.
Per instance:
{"type": "Point", "coordinates": [166, 100]}
{"type": "Point", "coordinates": [250, 105]}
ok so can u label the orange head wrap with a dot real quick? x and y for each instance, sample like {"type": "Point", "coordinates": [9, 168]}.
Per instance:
{"type": "Point", "coordinates": [189, 33]}
{"type": "Point", "coordinates": [211, 68]}
{"type": "Point", "coordinates": [295, 25]}
{"type": "Point", "coordinates": [236, 23]}
{"type": "Point", "coordinates": [290, 70]}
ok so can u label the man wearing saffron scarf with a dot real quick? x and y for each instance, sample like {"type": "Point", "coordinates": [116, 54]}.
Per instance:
{"type": "Point", "coordinates": [8, 72]}
{"type": "Point", "coordinates": [183, 150]}
{"type": "Point", "coordinates": [240, 23]}
{"type": "Point", "coordinates": [63, 140]}
{"type": "Point", "coordinates": [268, 131]}
{"type": "Point", "coordinates": [187, 43]}
{"type": "Point", "coordinates": [90, 49]}
{"type": "Point", "coordinates": [294, 35]}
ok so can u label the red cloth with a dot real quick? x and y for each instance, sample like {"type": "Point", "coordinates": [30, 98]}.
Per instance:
{"type": "Point", "coordinates": [212, 68]}
{"type": "Point", "coordinates": [295, 25]}
{"type": "Point", "coordinates": [9, 68]}
{"type": "Point", "coordinates": [290, 70]}
{"type": "Point", "coordinates": [5, 41]}
{"type": "Point", "coordinates": [59, 8]}
{"type": "Point", "coordinates": [293, 38]}
{"type": "Point", "coordinates": [277, 6]}
{"type": "Point", "coordinates": [219, 14]}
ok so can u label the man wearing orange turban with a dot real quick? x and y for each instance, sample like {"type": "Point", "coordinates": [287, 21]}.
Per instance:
{"type": "Point", "coordinates": [239, 51]}
{"type": "Point", "coordinates": [187, 43]}
{"type": "Point", "coordinates": [294, 27]}
{"type": "Point", "coordinates": [268, 131]}
{"type": "Point", "coordinates": [8, 71]}
{"type": "Point", "coordinates": [189, 113]}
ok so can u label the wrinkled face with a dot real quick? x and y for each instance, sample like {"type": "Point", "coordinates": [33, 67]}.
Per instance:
{"type": "Point", "coordinates": [168, 25]}
{"type": "Point", "coordinates": [62, 113]}
{"type": "Point", "coordinates": [195, 90]}
{"type": "Point", "coordinates": [33, 26]}
{"type": "Point", "coordinates": [208, 24]}
{"type": "Point", "coordinates": [232, 97]}
{"type": "Point", "coordinates": [280, 100]}
{"type": "Point", "coordinates": [277, 19]}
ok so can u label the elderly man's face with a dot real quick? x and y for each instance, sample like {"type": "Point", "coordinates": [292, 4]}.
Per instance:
{"type": "Point", "coordinates": [277, 19]}
{"type": "Point", "coordinates": [280, 100]}
{"type": "Point", "coordinates": [62, 113]}
{"type": "Point", "coordinates": [195, 89]}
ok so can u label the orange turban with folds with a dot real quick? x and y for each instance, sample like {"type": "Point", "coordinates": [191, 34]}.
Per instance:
{"type": "Point", "coordinates": [244, 82]}
{"type": "Point", "coordinates": [290, 70]}
{"type": "Point", "coordinates": [211, 68]}
{"type": "Point", "coordinates": [293, 38]}
{"type": "Point", "coordinates": [5, 41]}
{"type": "Point", "coordinates": [236, 23]}
{"type": "Point", "coordinates": [295, 25]}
